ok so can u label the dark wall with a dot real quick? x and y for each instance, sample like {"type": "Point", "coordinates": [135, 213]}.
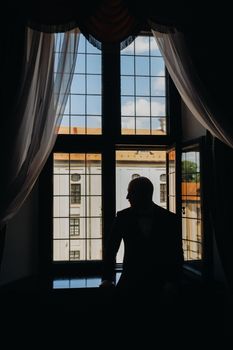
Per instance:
{"type": "Point", "coordinates": [20, 257]}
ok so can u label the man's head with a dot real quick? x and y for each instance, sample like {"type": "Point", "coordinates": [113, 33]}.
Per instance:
{"type": "Point", "coordinates": [140, 192]}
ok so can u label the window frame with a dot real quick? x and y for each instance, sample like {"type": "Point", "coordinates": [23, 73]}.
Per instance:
{"type": "Point", "coordinates": [202, 269]}
{"type": "Point", "coordinates": [107, 144]}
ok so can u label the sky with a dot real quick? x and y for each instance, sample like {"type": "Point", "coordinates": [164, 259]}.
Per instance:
{"type": "Point", "coordinates": [142, 95]}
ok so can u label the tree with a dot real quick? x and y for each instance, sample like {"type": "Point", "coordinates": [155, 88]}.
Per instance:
{"type": "Point", "coordinates": [189, 171]}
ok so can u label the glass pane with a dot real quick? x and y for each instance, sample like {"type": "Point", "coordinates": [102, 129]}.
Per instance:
{"type": "Point", "coordinates": [91, 48]}
{"type": "Point", "coordinates": [93, 64]}
{"type": "Point", "coordinates": [142, 106]}
{"type": "Point", "coordinates": [60, 250]}
{"type": "Point", "coordinates": [61, 163]}
{"type": "Point", "coordinates": [93, 184]}
{"type": "Point", "coordinates": [127, 106]}
{"type": "Point", "coordinates": [81, 44]}
{"type": "Point", "coordinates": [93, 206]}
{"type": "Point", "coordinates": [191, 205]}
{"type": "Point", "coordinates": [94, 84]}
{"type": "Point", "coordinates": [80, 66]}
{"type": "Point", "coordinates": [158, 86]}
{"type": "Point", "coordinates": [94, 125]}
{"type": "Point", "coordinates": [154, 47]}
{"type": "Point", "coordinates": [143, 126]}
{"type": "Point", "coordinates": [94, 227]}
{"type": "Point", "coordinates": [94, 105]}
{"type": "Point", "coordinates": [129, 50]}
{"type": "Point", "coordinates": [157, 66]}
{"type": "Point", "coordinates": [61, 206]}
{"type": "Point", "coordinates": [61, 228]}
{"type": "Point", "coordinates": [77, 125]}
{"type": "Point", "coordinates": [127, 65]}
{"type": "Point", "coordinates": [77, 104]}
{"type": "Point", "coordinates": [77, 249]}
{"type": "Point", "coordinates": [78, 85]}
{"type": "Point", "coordinates": [61, 185]}
{"type": "Point", "coordinates": [142, 45]}
{"type": "Point", "coordinates": [158, 126]}
{"type": "Point", "coordinates": [158, 106]}
{"type": "Point", "coordinates": [127, 86]}
{"type": "Point", "coordinates": [94, 249]}
{"type": "Point", "coordinates": [142, 65]}
{"type": "Point", "coordinates": [93, 163]}
{"type": "Point", "coordinates": [142, 86]}
{"type": "Point", "coordinates": [149, 163]}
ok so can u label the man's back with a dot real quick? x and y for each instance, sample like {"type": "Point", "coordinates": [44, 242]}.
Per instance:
{"type": "Point", "coordinates": [152, 246]}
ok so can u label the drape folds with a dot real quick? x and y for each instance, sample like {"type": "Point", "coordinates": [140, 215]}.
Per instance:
{"type": "Point", "coordinates": [194, 94]}
{"type": "Point", "coordinates": [41, 100]}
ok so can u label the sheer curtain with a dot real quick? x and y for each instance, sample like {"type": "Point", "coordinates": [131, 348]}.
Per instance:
{"type": "Point", "coordinates": [179, 65]}
{"type": "Point", "coordinates": [41, 101]}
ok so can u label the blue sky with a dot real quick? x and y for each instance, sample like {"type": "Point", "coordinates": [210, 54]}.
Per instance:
{"type": "Point", "coordinates": [142, 95]}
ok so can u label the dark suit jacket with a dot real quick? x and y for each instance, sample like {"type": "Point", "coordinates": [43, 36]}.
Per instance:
{"type": "Point", "coordinates": [148, 259]}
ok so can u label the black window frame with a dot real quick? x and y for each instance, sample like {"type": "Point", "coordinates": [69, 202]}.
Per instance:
{"type": "Point", "coordinates": [107, 143]}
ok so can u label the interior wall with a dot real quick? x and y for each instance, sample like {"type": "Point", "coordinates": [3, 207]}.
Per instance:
{"type": "Point", "coordinates": [20, 257]}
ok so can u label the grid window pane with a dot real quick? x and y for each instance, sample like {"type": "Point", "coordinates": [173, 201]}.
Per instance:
{"type": "Point", "coordinates": [78, 214]}
{"type": "Point", "coordinates": [143, 88]}
{"type": "Point", "coordinates": [191, 205]}
{"type": "Point", "coordinates": [85, 94]}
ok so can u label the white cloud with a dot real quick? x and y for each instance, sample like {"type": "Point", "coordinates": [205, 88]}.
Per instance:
{"type": "Point", "coordinates": [128, 108]}
{"type": "Point", "coordinates": [143, 108]}
{"type": "Point", "coordinates": [154, 45]}
{"type": "Point", "coordinates": [158, 84]}
{"type": "Point", "coordinates": [142, 46]}
{"type": "Point", "coordinates": [157, 108]}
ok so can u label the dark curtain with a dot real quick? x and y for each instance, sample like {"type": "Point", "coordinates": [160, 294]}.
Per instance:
{"type": "Point", "coordinates": [11, 59]}
{"type": "Point", "coordinates": [223, 206]}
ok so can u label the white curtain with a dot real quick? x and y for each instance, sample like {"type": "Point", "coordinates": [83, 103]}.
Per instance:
{"type": "Point", "coordinates": [42, 98]}
{"type": "Point", "coordinates": [187, 82]}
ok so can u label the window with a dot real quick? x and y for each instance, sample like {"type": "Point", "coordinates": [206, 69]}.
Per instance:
{"type": "Point", "coordinates": [163, 192]}
{"type": "Point", "coordinates": [191, 204]}
{"type": "Point", "coordinates": [74, 226]}
{"type": "Point", "coordinates": [115, 127]}
{"type": "Point", "coordinates": [75, 177]}
{"type": "Point", "coordinates": [74, 254]}
{"type": "Point", "coordinates": [75, 191]}
{"type": "Point", "coordinates": [143, 93]}
{"type": "Point", "coordinates": [163, 178]}
{"type": "Point", "coordinates": [77, 225]}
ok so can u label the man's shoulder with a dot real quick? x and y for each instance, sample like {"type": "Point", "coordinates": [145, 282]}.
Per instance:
{"type": "Point", "coordinates": [164, 212]}
{"type": "Point", "coordinates": [124, 212]}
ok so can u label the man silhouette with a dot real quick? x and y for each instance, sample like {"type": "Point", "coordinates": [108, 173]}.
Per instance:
{"type": "Point", "coordinates": [153, 254]}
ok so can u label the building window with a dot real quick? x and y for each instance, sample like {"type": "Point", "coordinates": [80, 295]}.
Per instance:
{"type": "Point", "coordinates": [134, 176]}
{"type": "Point", "coordinates": [115, 128]}
{"type": "Point", "coordinates": [75, 193]}
{"type": "Point", "coordinates": [74, 226]}
{"type": "Point", "coordinates": [163, 178]}
{"type": "Point", "coordinates": [75, 177]}
{"type": "Point", "coordinates": [163, 193]}
{"type": "Point", "coordinates": [74, 254]}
